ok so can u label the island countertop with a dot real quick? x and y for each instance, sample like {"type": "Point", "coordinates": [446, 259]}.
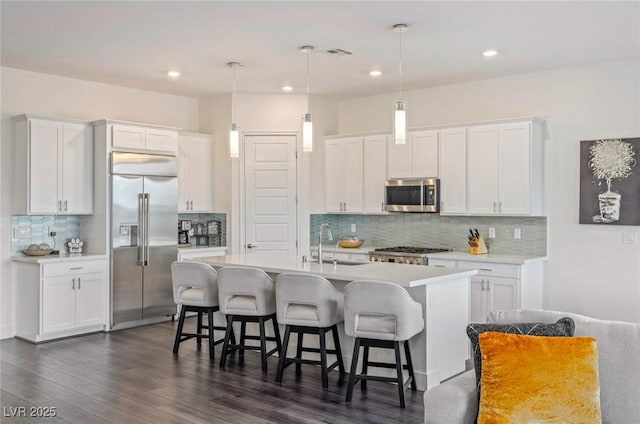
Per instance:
{"type": "Point", "coordinates": [404, 275]}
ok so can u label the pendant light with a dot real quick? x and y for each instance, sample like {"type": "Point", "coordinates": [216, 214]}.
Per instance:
{"type": "Point", "coordinates": [307, 124]}
{"type": "Point", "coordinates": [234, 136]}
{"type": "Point", "coordinates": [400, 106]}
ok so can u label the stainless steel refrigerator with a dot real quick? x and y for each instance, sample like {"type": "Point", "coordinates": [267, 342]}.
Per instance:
{"type": "Point", "coordinates": [144, 215]}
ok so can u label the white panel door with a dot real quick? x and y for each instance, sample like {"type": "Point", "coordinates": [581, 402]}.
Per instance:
{"type": "Point", "coordinates": [399, 159]}
{"type": "Point", "coordinates": [161, 140]}
{"type": "Point", "coordinates": [128, 136]}
{"type": "Point", "coordinates": [353, 175]}
{"type": "Point", "coordinates": [58, 303]}
{"type": "Point", "coordinates": [89, 299]}
{"type": "Point", "coordinates": [483, 169]}
{"type": "Point", "coordinates": [45, 150]}
{"type": "Point", "coordinates": [425, 153]}
{"type": "Point", "coordinates": [478, 301]}
{"type": "Point", "coordinates": [514, 168]}
{"type": "Point", "coordinates": [184, 174]}
{"type": "Point", "coordinates": [77, 169]}
{"type": "Point", "coordinates": [334, 174]}
{"type": "Point", "coordinates": [375, 172]}
{"type": "Point", "coordinates": [201, 174]}
{"type": "Point", "coordinates": [270, 193]}
{"type": "Point", "coordinates": [502, 293]}
{"type": "Point", "coordinates": [453, 171]}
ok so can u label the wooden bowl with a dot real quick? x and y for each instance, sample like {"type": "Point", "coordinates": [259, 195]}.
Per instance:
{"type": "Point", "coordinates": [349, 244]}
{"type": "Point", "coordinates": [39, 252]}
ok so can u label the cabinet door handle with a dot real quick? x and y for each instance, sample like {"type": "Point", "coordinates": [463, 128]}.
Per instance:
{"type": "Point", "coordinates": [75, 268]}
{"type": "Point", "coordinates": [191, 204]}
{"type": "Point", "coordinates": [65, 205]}
{"type": "Point", "coordinates": [59, 205]}
{"type": "Point", "coordinates": [73, 284]}
{"type": "Point", "coordinates": [79, 282]}
{"type": "Point", "coordinates": [187, 206]}
{"type": "Point", "coordinates": [345, 206]}
{"type": "Point", "coordinates": [494, 206]}
{"type": "Point", "coordinates": [442, 205]}
{"type": "Point", "coordinates": [488, 286]}
{"type": "Point", "coordinates": [485, 269]}
{"type": "Point", "coordinates": [439, 266]}
{"type": "Point", "coordinates": [382, 206]}
{"type": "Point", "coordinates": [499, 206]}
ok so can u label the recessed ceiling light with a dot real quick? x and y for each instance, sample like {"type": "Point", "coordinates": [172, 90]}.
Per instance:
{"type": "Point", "coordinates": [489, 53]}
{"type": "Point", "coordinates": [173, 74]}
{"type": "Point", "coordinates": [287, 88]}
{"type": "Point", "coordinates": [375, 73]}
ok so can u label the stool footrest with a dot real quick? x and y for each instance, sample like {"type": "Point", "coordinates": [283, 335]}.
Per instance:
{"type": "Point", "coordinates": [405, 383]}
{"type": "Point", "coordinates": [385, 365]}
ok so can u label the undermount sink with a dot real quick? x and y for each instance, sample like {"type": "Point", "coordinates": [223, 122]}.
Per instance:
{"type": "Point", "coordinates": [342, 262]}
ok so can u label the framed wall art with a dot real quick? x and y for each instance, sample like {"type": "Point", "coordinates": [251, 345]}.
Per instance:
{"type": "Point", "coordinates": [610, 181]}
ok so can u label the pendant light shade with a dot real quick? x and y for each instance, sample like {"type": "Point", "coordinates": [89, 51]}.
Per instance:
{"type": "Point", "coordinates": [400, 106]}
{"type": "Point", "coordinates": [234, 136]}
{"type": "Point", "coordinates": [307, 124]}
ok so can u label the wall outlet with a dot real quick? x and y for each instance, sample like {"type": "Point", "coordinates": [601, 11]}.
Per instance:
{"type": "Point", "coordinates": [492, 232]}
{"type": "Point", "coordinates": [353, 228]}
{"type": "Point", "coordinates": [21, 232]}
{"type": "Point", "coordinates": [630, 237]}
{"type": "Point", "coordinates": [517, 233]}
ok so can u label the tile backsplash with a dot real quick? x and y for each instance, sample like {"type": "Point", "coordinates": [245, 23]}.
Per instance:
{"type": "Point", "coordinates": [202, 218]}
{"type": "Point", "coordinates": [433, 230]}
{"type": "Point", "coordinates": [65, 226]}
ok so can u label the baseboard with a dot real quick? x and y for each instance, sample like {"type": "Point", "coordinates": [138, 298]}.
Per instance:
{"type": "Point", "coordinates": [7, 331]}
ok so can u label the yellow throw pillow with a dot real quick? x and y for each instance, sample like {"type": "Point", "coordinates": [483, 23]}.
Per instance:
{"type": "Point", "coordinates": [537, 379]}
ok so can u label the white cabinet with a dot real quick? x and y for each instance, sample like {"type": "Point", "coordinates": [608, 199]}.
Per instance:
{"type": "Point", "coordinates": [417, 158]}
{"type": "Point", "coordinates": [195, 173]}
{"type": "Point", "coordinates": [60, 299]}
{"type": "Point", "coordinates": [344, 174]}
{"type": "Point", "coordinates": [453, 171]}
{"type": "Point", "coordinates": [505, 169]}
{"type": "Point", "coordinates": [139, 137]}
{"type": "Point", "coordinates": [53, 167]}
{"type": "Point", "coordinates": [499, 286]}
{"type": "Point", "coordinates": [375, 172]}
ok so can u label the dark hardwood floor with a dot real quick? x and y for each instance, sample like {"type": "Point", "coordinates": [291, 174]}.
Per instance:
{"type": "Point", "coordinates": [131, 376]}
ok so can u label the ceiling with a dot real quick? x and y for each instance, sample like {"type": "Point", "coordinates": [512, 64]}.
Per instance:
{"type": "Point", "coordinates": [134, 44]}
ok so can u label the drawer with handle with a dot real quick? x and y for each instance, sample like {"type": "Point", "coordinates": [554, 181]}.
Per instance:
{"type": "Point", "coordinates": [439, 263]}
{"type": "Point", "coordinates": [492, 269]}
{"type": "Point", "coordinates": [72, 267]}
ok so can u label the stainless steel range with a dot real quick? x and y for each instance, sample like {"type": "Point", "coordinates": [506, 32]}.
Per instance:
{"type": "Point", "coordinates": [404, 255]}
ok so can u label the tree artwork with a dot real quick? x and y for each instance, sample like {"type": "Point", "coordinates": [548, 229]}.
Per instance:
{"type": "Point", "coordinates": [609, 160]}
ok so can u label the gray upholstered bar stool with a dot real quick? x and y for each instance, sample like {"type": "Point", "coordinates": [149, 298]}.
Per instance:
{"type": "Point", "coordinates": [247, 295]}
{"type": "Point", "coordinates": [309, 304]}
{"type": "Point", "coordinates": [381, 314]}
{"type": "Point", "coordinates": [195, 288]}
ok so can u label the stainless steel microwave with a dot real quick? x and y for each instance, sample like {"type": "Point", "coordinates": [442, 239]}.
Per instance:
{"type": "Point", "coordinates": [412, 195]}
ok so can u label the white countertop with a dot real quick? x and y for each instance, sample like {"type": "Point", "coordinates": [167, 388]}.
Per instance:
{"type": "Point", "coordinates": [404, 275]}
{"type": "Point", "coordinates": [329, 248]}
{"type": "Point", "coordinates": [58, 258]}
{"type": "Point", "coordinates": [184, 248]}
{"type": "Point", "coordinates": [489, 257]}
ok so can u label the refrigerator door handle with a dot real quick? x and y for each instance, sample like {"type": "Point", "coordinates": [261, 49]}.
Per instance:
{"type": "Point", "coordinates": [146, 229]}
{"type": "Point", "coordinates": [141, 232]}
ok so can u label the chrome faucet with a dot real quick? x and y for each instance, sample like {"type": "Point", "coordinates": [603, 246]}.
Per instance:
{"type": "Point", "coordinates": [329, 236]}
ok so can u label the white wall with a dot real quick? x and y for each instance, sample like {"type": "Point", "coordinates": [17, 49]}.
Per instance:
{"type": "Point", "coordinates": [48, 95]}
{"type": "Point", "coordinates": [589, 270]}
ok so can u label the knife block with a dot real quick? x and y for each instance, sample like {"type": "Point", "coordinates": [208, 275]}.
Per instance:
{"type": "Point", "coordinates": [480, 248]}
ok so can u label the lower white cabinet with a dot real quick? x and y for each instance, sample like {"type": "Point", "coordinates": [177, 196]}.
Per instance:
{"type": "Point", "coordinates": [60, 299]}
{"type": "Point", "coordinates": [499, 286]}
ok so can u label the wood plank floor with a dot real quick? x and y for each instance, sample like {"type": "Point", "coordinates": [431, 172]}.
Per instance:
{"type": "Point", "coordinates": [131, 376]}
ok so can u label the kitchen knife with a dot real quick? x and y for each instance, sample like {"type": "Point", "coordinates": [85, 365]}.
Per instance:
{"type": "Point", "coordinates": [477, 233]}
{"type": "Point", "coordinates": [472, 235]}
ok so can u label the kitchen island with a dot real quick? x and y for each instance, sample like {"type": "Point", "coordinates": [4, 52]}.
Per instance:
{"type": "Point", "coordinates": [440, 351]}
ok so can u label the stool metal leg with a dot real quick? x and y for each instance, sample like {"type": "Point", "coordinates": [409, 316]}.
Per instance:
{"type": "Point", "coordinates": [407, 354]}
{"type": "Point", "coordinates": [365, 368]}
{"type": "Point", "coordinates": [212, 351]}
{"type": "Point", "coordinates": [199, 330]}
{"type": "Point", "coordinates": [396, 346]}
{"type": "Point", "coordinates": [354, 369]}
{"type": "Point", "coordinates": [283, 354]}
{"type": "Point", "coordinates": [176, 343]}
{"type": "Point", "coordinates": [263, 344]}
{"type": "Point", "coordinates": [225, 345]}
{"type": "Point", "coordinates": [336, 344]}
{"type": "Point", "coordinates": [323, 358]}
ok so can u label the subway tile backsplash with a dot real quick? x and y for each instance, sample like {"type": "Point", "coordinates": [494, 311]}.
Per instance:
{"type": "Point", "coordinates": [433, 230]}
{"type": "Point", "coordinates": [66, 227]}
{"type": "Point", "coordinates": [202, 218]}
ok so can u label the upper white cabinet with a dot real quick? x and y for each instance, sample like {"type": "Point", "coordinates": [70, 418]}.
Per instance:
{"type": "Point", "coordinates": [139, 137]}
{"type": "Point", "coordinates": [344, 174]}
{"type": "Point", "coordinates": [505, 169]}
{"type": "Point", "coordinates": [375, 172]}
{"type": "Point", "coordinates": [54, 166]}
{"type": "Point", "coordinates": [417, 158]}
{"type": "Point", "coordinates": [195, 173]}
{"type": "Point", "coordinates": [453, 171]}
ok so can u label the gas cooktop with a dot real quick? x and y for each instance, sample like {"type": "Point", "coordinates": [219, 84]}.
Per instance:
{"type": "Point", "coordinates": [411, 250]}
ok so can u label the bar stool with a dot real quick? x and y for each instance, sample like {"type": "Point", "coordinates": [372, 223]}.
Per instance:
{"type": "Point", "coordinates": [309, 304]}
{"type": "Point", "coordinates": [195, 288]}
{"type": "Point", "coordinates": [381, 314]}
{"type": "Point", "coordinates": [247, 295]}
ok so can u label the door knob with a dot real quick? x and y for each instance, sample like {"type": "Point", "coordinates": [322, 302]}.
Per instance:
{"type": "Point", "coordinates": [251, 246]}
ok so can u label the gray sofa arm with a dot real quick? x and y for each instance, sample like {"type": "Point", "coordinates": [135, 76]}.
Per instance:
{"type": "Point", "coordinates": [453, 402]}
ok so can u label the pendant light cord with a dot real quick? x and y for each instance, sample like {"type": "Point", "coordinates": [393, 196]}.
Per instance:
{"type": "Point", "coordinates": [400, 68]}
{"type": "Point", "coordinates": [233, 96]}
{"type": "Point", "coordinates": [308, 100]}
